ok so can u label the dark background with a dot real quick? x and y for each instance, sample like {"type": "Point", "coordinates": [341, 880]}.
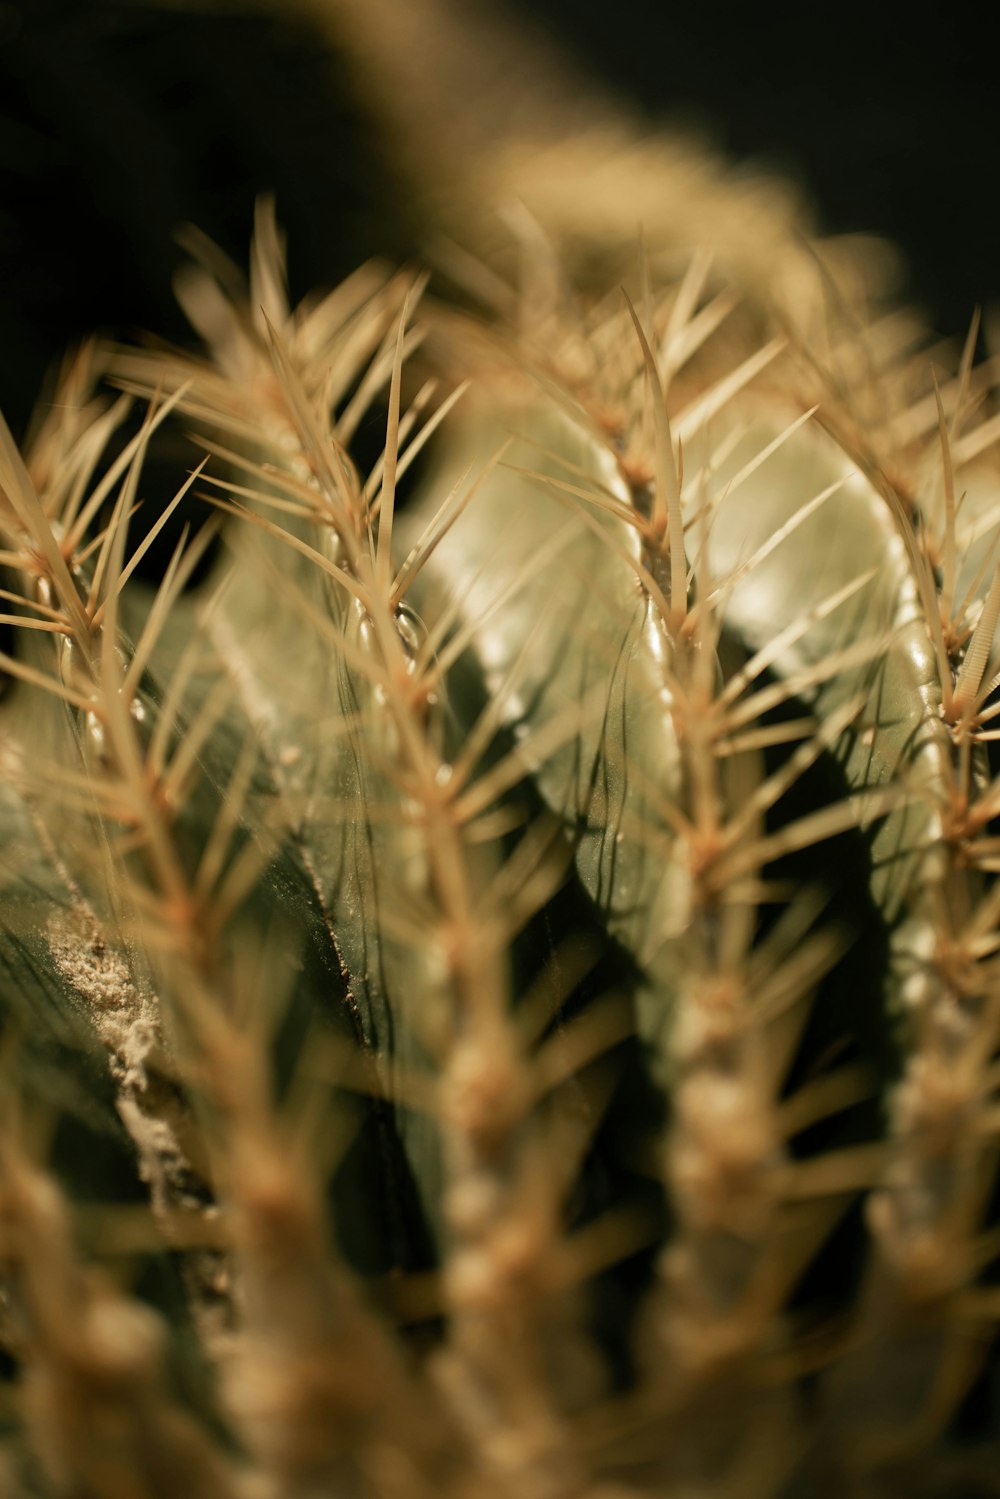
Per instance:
{"type": "Point", "coordinates": [119, 122]}
{"type": "Point", "coordinates": [888, 117]}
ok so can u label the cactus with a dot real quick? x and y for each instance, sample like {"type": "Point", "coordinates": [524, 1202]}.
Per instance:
{"type": "Point", "coordinates": [498, 943]}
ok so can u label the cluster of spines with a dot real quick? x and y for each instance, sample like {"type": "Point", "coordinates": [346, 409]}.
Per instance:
{"type": "Point", "coordinates": [446, 903]}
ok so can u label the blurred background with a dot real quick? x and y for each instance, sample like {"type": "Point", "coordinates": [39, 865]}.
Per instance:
{"type": "Point", "coordinates": [120, 120]}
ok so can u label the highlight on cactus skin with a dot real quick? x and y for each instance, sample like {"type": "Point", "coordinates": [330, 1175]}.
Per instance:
{"type": "Point", "coordinates": [498, 946]}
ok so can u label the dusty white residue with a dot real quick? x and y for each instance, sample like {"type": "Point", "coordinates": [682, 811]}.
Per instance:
{"type": "Point", "coordinates": [96, 971]}
{"type": "Point", "coordinates": [152, 1110]}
